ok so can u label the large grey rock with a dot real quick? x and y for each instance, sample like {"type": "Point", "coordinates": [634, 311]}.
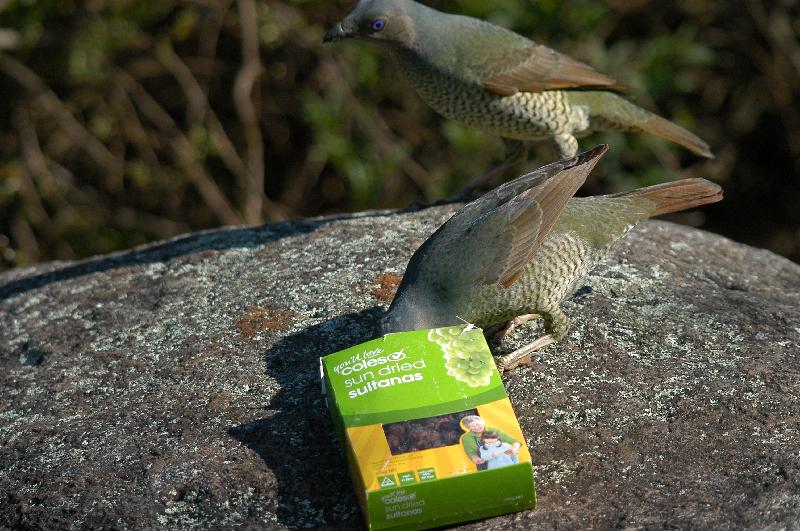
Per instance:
{"type": "Point", "coordinates": [176, 385]}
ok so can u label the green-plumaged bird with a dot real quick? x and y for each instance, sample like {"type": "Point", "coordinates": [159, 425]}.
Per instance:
{"type": "Point", "coordinates": [524, 247]}
{"type": "Point", "coordinates": [497, 81]}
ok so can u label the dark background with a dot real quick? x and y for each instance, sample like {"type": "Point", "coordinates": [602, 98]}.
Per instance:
{"type": "Point", "coordinates": [128, 121]}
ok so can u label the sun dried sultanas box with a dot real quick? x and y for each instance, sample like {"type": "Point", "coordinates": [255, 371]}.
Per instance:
{"type": "Point", "coordinates": [428, 430]}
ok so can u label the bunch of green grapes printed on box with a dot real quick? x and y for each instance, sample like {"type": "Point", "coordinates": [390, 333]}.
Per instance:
{"type": "Point", "coordinates": [466, 356]}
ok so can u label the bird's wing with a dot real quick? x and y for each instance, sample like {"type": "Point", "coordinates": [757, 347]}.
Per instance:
{"type": "Point", "coordinates": [511, 233]}
{"type": "Point", "coordinates": [536, 68]}
{"type": "Point", "coordinates": [505, 62]}
{"type": "Point", "coordinates": [505, 238]}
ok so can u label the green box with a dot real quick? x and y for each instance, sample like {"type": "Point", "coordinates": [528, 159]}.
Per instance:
{"type": "Point", "coordinates": [428, 430]}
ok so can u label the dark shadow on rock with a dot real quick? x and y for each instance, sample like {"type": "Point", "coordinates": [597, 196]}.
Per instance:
{"type": "Point", "coordinates": [582, 293]}
{"type": "Point", "coordinates": [296, 439]}
{"type": "Point", "coordinates": [214, 240]}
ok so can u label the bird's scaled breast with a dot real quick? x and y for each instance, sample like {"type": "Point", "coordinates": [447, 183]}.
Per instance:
{"type": "Point", "coordinates": [560, 264]}
{"type": "Point", "coordinates": [524, 115]}
{"type": "Point", "coordinates": [555, 273]}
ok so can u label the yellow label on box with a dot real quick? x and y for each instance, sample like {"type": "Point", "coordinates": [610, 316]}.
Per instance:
{"type": "Point", "coordinates": [376, 460]}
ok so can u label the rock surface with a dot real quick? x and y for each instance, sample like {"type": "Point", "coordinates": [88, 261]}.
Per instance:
{"type": "Point", "coordinates": [176, 385]}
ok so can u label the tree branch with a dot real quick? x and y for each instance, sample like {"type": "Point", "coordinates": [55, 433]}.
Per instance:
{"type": "Point", "coordinates": [243, 96]}
{"type": "Point", "coordinates": [182, 151]}
{"type": "Point", "coordinates": [54, 106]}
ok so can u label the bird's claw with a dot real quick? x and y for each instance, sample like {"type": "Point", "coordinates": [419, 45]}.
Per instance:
{"type": "Point", "coordinates": [524, 355]}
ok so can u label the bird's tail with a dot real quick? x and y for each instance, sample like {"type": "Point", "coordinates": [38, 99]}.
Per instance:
{"type": "Point", "coordinates": [656, 125]}
{"type": "Point", "coordinates": [677, 195]}
{"type": "Point", "coordinates": [611, 111]}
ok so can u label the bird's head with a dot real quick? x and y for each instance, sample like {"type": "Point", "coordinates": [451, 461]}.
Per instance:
{"type": "Point", "coordinates": [388, 21]}
{"type": "Point", "coordinates": [404, 316]}
{"type": "Point", "coordinates": [417, 306]}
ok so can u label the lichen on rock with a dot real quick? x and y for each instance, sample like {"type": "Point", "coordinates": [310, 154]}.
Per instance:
{"type": "Point", "coordinates": [176, 385]}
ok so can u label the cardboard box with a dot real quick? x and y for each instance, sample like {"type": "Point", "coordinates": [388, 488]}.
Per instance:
{"type": "Point", "coordinates": [428, 430]}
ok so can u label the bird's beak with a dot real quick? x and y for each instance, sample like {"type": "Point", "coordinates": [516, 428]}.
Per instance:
{"type": "Point", "coordinates": [336, 33]}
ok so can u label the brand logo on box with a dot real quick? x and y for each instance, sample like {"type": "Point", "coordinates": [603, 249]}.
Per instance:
{"type": "Point", "coordinates": [365, 361]}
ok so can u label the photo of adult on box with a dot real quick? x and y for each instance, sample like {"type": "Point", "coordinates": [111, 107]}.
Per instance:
{"type": "Point", "coordinates": [471, 440]}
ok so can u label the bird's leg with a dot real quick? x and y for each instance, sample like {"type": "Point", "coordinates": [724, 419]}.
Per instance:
{"type": "Point", "coordinates": [514, 323]}
{"type": "Point", "coordinates": [516, 151]}
{"type": "Point", "coordinates": [566, 144]}
{"type": "Point", "coordinates": [556, 323]}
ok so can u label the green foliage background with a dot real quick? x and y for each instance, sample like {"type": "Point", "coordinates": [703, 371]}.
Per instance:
{"type": "Point", "coordinates": [126, 121]}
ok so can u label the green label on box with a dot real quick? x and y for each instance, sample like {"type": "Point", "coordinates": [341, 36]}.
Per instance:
{"type": "Point", "coordinates": [430, 434]}
{"type": "Point", "coordinates": [427, 474]}
{"type": "Point", "coordinates": [387, 482]}
{"type": "Point", "coordinates": [407, 477]}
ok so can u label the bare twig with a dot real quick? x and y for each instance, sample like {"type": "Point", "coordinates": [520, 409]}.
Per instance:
{"type": "Point", "coordinates": [9, 39]}
{"type": "Point", "coordinates": [209, 34]}
{"type": "Point", "coordinates": [783, 97]}
{"type": "Point", "coordinates": [294, 194]}
{"type": "Point", "coordinates": [55, 107]}
{"type": "Point", "coordinates": [781, 68]}
{"type": "Point", "coordinates": [35, 165]}
{"type": "Point", "coordinates": [243, 97]}
{"type": "Point", "coordinates": [195, 97]}
{"type": "Point", "coordinates": [379, 130]}
{"type": "Point", "coordinates": [200, 111]}
{"type": "Point", "coordinates": [67, 181]}
{"type": "Point", "coordinates": [162, 227]}
{"type": "Point", "coordinates": [135, 129]}
{"type": "Point", "coordinates": [182, 150]}
{"type": "Point", "coordinates": [25, 238]}
{"type": "Point", "coordinates": [776, 28]}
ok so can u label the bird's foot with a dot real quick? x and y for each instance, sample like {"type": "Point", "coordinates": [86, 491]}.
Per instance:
{"type": "Point", "coordinates": [514, 323]}
{"type": "Point", "coordinates": [523, 356]}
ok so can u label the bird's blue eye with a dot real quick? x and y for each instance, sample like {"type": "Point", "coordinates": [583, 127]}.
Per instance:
{"type": "Point", "coordinates": [378, 24]}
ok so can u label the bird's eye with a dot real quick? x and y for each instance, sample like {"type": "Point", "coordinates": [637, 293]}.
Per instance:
{"type": "Point", "coordinates": [378, 24]}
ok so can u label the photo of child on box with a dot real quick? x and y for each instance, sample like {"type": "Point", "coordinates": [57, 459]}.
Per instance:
{"type": "Point", "coordinates": [496, 453]}
{"type": "Point", "coordinates": [475, 427]}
